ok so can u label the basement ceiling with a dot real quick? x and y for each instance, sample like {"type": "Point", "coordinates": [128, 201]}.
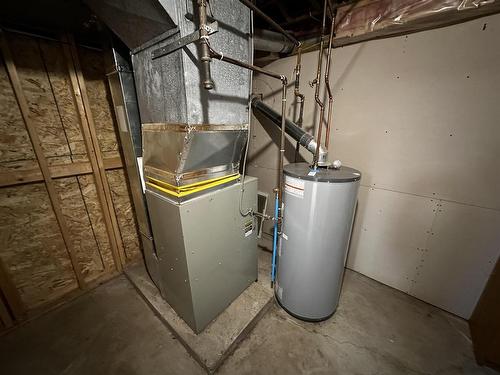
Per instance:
{"type": "Point", "coordinates": [301, 18]}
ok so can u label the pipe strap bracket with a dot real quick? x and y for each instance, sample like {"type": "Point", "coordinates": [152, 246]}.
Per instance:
{"type": "Point", "coordinates": [184, 41]}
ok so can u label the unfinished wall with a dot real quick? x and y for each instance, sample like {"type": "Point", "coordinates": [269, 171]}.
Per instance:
{"type": "Point", "coordinates": [418, 115]}
{"type": "Point", "coordinates": [66, 218]}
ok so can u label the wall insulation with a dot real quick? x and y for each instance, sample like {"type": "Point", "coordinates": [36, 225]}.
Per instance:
{"type": "Point", "coordinates": [66, 219]}
{"type": "Point", "coordinates": [418, 116]}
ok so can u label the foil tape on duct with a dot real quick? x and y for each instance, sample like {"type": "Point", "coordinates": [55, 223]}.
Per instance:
{"type": "Point", "coordinates": [181, 154]}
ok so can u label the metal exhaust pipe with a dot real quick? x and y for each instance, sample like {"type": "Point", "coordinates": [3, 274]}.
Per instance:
{"type": "Point", "coordinates": [305, 139]}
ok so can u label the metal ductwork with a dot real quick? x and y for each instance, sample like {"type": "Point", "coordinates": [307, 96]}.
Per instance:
{"type": "Point", "coordinates": [271, 41]}
{"type": "Point", "coordinates": [300, 135]}
{"type": "Point", "coordinates": [193, 135]}
{"type": "Point", "coordinates": [189, 134]}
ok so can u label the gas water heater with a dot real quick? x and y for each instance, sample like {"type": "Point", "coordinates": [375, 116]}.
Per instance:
{"type": "Point", "coordinates": [318, 212]}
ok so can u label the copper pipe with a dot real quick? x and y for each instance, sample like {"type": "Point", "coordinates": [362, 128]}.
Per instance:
{"type": "Point", "coordinates": [327, 83]}
{"type": "Point", "coordinates": [205, 58]}
{"type": "Point", "coordinates": [317, 82]}
{"type": "Point", "coordinates": [230, 60]}
{"type": "Point", "coordinates": [299, 97]}
{"type": "Point", "coordinates": [284, 83]}
{"type": "Point", "coordinates": [282, 157]}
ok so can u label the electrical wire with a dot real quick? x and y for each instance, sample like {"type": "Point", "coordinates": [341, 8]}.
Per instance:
{"type": "Point", "coordinates": [243, 172]}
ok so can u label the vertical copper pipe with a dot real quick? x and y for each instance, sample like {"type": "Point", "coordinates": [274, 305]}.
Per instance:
{"type": "Point", "coordinates": [205, 58]}
{"type": "Point", "coordinates": [317, 82]}
{"type": "Point", "coordinates": [282, 152]}
{"type": "Point", "coordinates": [299, 97]}
{"type": "Point", "coordinates": [327, 83]}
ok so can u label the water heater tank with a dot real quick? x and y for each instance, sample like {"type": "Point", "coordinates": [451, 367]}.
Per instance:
{"type": "Point", "coordinates": [318, 213]}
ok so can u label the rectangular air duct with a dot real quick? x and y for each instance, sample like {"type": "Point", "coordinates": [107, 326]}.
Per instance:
{"type": "Point", "coordinates": [192, 141]}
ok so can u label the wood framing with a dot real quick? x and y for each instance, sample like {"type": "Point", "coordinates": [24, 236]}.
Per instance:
{"type": "Point", "coordinates": [5, 318]}
{"type": "Point", "coordinates": [56, 171]}
{"type": "Point", "coordinates": [485, 325]}
{"type": "Point", "coordinates": [93, 150]}
{"type": "Point", "coordinates": [11, 294]}
{"type": "Point", "coordinates": [42, 161]}
{"type": "Point", "coordinates": [66, 218]}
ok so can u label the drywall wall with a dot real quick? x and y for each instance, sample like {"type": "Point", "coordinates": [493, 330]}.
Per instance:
{"type": "Point", "coordinates": [419, 116]}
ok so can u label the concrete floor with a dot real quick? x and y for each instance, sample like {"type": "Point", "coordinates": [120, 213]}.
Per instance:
{"type": "Point", "coordinates": [216, 342]}
{"type": "Point", "coordinates": [376, 330]}
{"type": "Point", "coordinates": [110, 330]}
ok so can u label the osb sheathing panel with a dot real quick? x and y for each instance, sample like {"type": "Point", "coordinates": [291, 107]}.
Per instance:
{"type": "Point", "coordinates": [124, 213]}
{"type": "Point", "coordinates": [57, 71]}
{"type": "Point", "coordinates": [95, 215]}
{"type": "Point", "coordinates": [34, 253]}
{"type": "Point", "coordinates": [58, 160]}
{"type": "Point", "coordinates": [80, 228]}
{"type": "Point", "coordinates": [111, 154]}
{"type": "Point", "coordinates": [93, 69]}
{"type": "Point", "coordinates": [17, 165]}
{"type": "Point", "coordinates": [14, 140]}
{"type": "Point", "coordinates": [38, 92]}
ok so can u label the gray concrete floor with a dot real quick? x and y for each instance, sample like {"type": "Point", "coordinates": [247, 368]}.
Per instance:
{"type": "Point", "coordinates": [376, 330]}
{"type": "Point", "coordinates": [110, 330]}
{"type": "Point", "coordinates": [211, 347]}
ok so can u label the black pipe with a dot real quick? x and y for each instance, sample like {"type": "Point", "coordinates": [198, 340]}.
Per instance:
{"type": "Point", "coordinates": [291, 128]}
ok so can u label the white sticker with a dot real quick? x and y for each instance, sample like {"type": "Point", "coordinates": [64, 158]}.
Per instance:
{"type": "Point", "coordinates": [312, 173]}
{"type": "Point", "coordinates": [249, 232]}
{"type": "Point", "coordinates": [285, 236]}
{"type": "Point", "coordinates": [294, 186]}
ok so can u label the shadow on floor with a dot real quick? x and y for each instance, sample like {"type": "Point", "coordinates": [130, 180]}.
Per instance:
{"type": "Point", "coordinates": [376, 330]}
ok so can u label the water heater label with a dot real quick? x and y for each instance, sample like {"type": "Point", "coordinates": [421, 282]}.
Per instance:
{"type": "Point", "coordinates": [294, 186]}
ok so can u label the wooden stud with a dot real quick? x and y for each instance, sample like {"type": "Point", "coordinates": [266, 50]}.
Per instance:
{"type": "Point", "coordinates": [71, 295]}
{"type": "Point", "coordinates": [68, 297]}
{"type": "Point", "coordinates": [10, 292]}
{"type": "Point", "coordinates": [42, 161]}
{"type": "Point", "coordinates": [56, 171]}
{"type": "Point", "coordinates": [5, 318]}
{"type": "Point", "coordinates": [93, 150]}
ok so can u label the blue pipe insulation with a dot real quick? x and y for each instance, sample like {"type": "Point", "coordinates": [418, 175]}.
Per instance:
{"type": "Point", "coordinates": [275, 238]}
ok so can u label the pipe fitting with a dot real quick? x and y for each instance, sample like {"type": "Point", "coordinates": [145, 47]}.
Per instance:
{"type": "Point", "coordinates": [322, 153]}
